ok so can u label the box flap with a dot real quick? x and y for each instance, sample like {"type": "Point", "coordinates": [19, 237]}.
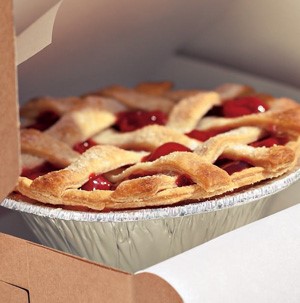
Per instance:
{"type": "Point", "coordinates": [14, 269]}
{"type": "Point", "coordinates": [26, 12]}
{"type": "Point", "coordinates": [9, 153]}
{"type": "Point", "coordinates": [52, 276]}
{"type": "Point", "coordinates": [56, 277]}
{"type": "Point", "coordinates": [262, 257]}
{"type": "Point", "coordinates": [11, 294]}
{"type": "Point", "coordinates": [37, 36]}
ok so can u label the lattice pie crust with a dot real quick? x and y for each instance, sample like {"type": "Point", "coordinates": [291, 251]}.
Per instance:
{"type": "Point", "coordinates": [133, 164]}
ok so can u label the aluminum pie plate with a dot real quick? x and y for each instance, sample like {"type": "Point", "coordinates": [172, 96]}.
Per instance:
{"type": "Point", "coordinates": [134, 240]}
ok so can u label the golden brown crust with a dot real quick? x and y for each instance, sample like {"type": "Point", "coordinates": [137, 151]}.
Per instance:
{"type": "Point", "coordinates": [185, 115]}
{"type": "Point", "coordinates": [206, 175]}
{"type": "Point", "coordinates": [137, 100]}
{"type": "Point", "coordinates": [38, 105]}
{"type": "Point", "coordinates": [285, 121]}
{"type": "Point", "coordinates": [146, 138]}
{"type": "Point", "coordinates": [155, 183]}
{"type": "Point", "coordinates": [213, 148]}
{"type": "Point", "coordinates": [39, 144]}
{"type": "Point", "coordinates": [232, 90]}
{"type": "Point", "coordinates": [80, 124]}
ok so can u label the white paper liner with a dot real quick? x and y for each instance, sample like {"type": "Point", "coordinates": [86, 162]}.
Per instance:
{"type": "Point", "coordinates": [256, 263]}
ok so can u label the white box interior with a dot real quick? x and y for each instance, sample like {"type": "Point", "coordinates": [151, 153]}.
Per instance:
{"type": "Point", "coordinates": [96, 43]}
{"type": "Point", "coordinates": [260, 37]}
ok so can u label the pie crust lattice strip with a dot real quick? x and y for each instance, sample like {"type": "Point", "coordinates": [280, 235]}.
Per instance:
{"type": "Point", "coordinates": [121, 148]}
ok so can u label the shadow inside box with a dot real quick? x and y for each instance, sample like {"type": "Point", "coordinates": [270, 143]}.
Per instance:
{"type": "Point", "coordinates": [12, 223]}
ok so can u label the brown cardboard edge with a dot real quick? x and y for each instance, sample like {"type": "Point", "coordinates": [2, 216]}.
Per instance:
{"type": "Point", "coordinates": [9, 133]}
{"type": "Point", "coordinates": [76, 257]}
{"type": "Point", "coordinates": [10, 293]}
{"type": "Point", "coordinates": [52, 276]}
{"type": "Point", "coordinates": [154, 286]}
{"type": "Point", "coordinates": [13, 261]}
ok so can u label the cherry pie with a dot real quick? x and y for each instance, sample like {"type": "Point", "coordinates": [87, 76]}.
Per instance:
{"type": "Point", "coordinates": [121, 148]}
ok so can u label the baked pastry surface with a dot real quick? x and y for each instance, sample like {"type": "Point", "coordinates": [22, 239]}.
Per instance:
{"type": "Point", "coordinates": [122, 148]}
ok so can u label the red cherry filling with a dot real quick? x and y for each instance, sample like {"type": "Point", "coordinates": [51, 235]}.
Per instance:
{"type": "Point", "coordinates": [164, 150]}
{"type": "Point", "coordinates": [273, 137]}
{"type": "Point", "coordinates": [203, 135]}
{"type": "Point", "coordinates": [216, 111]}
{"type": "Point", "coordinates": [84, 146]}
{"type": "Point", "coordinates": [243, 106]}
{"type": "Point", "coordinates": [231, 166]}
{"type": "Point", "coordinates": [129, 121]}
{"type": "Point", "coordinates": [96, 182]}
{"type": "Point", "coordinates": [270, 141]}
{"type": "Point", "coordinates": [184, 180]}
{"type": "Point", "coordinates": [32, 173]}
{"type": "Point", "coordinates": [45, 120]}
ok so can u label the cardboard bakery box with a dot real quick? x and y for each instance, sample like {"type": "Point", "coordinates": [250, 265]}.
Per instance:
{"type": "Point", "coordinates": [82, 280]}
